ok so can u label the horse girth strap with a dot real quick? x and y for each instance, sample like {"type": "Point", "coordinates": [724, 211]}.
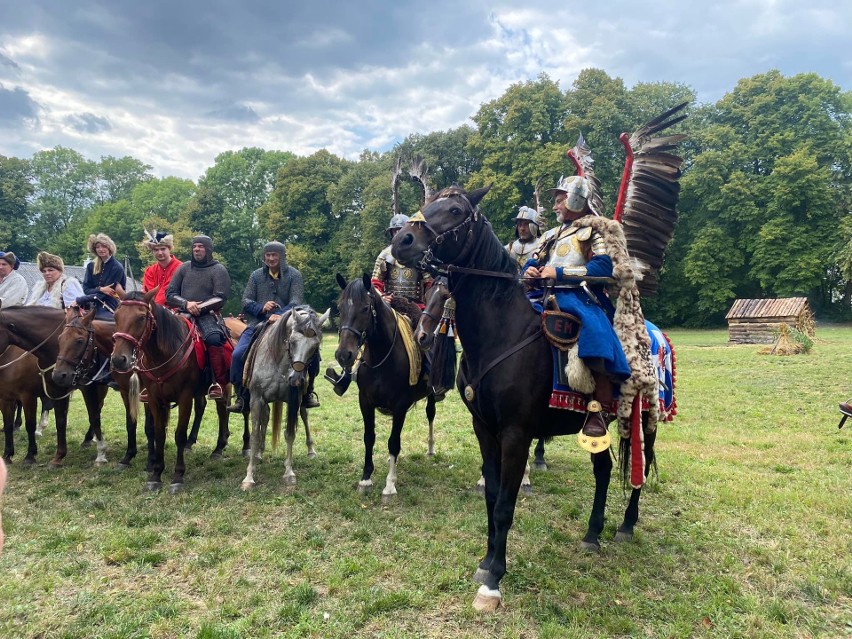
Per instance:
{"type": "Point", "coordinates": [470, 389]}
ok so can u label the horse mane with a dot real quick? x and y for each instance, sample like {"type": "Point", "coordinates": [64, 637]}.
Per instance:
{"type": "Point", "coordinates": [171, 329]}
{"type": "Point", "coordinates": [278, 345]}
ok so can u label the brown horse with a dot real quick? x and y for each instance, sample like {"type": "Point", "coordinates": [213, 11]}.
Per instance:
{"type": "Point", "coordinates": [159, 345]}
{"type": "Point", "coordinates": [36, 329]}
{"type": "Point", "coordinates": [20, 385]}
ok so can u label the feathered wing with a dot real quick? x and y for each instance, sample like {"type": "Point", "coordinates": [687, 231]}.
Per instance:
{"type": "Point", "coordinates": [419, 174]}
{"type": "Point", "coordinates": [581, 155]}
{"type": "Point", "coordinates": [649, 193]}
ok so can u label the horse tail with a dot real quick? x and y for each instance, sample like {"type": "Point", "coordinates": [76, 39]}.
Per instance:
{"type": "Point", "coordinates": [277, 409]}
{"type": "Point", "coordinates": [294, 402]}
{"type": "Point", "coordinates": [133, 392]}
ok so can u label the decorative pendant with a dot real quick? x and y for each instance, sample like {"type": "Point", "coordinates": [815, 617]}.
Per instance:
{"type": "Point", "coordinates": [469, 393]}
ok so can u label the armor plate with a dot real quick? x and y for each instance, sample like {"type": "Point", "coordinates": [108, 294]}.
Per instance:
{"type": "Point", "coordinates": [522, 251]}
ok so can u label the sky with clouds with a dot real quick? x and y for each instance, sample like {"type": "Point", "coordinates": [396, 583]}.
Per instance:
{"type": "Point", "coordinates": [176, 83]}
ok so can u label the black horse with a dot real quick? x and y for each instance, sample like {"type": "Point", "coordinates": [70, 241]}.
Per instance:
{"type": "Point", "coordinates": [506, 373]}
{"type": "Point", "coordinates": [367, 321]}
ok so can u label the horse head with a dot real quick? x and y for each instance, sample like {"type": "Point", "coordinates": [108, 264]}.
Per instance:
{"type": "Point", "coordinates": [76, 347]}
{"type": "Point", "coordinates": [303, 336]}
{"type": "Point", "coordinates": [134, 323]}
{"type": "Point", "coordinates": [357, 308]}
{"type": "Point", "coordinates": [443, 231]}
{"type": "Point", "coordinates": [436, 296]}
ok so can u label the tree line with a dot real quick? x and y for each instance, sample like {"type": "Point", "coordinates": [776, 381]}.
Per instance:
{"type": "Point", "coordinates": [764, 210]}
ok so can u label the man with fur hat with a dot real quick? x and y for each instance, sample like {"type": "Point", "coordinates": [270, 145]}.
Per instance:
{"type": "Point", "coordinates": [567, 254]}
{"type": "Point", "coordinates": [271, 290]}
{"type": "Point", "coordinates": [57, 289]}
{"type": "Point", "coordinates": [200, 287]}
{"type": "Point", "coordinates": [161, 272]}
{"type": "Point", "coordinates": [13, 286]}
{"type": "Point", "coordinates": [105, 280]}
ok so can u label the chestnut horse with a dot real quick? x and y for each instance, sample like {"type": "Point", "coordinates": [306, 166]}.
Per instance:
{"type": "Point", "coordinates": [506, 372]}
{"type": "Point", "coordinates": [36, 329]}
{"type": "Point", "coordinates": [159, 345]}
{"type": "Point", "coordinates": [20, 386]}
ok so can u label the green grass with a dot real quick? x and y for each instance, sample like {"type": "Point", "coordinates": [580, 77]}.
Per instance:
{"type": "Point", "coordinates": [744, 533]}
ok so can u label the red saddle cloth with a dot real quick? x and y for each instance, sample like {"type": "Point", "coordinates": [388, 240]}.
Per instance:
{"type": "Point", "coordinates": [201, 348]}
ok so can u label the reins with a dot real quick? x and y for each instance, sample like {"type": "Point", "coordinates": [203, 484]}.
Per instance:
{"type": "Point", "coordinates": [34, 348]}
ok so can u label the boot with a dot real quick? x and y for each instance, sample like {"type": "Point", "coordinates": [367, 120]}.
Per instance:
{"type": "Point", "coordinates": [340, 381]}
{"type": "Point", "coordinates": [239, 403]}
{"type": "Point", "coordinates": [220, 372]}
{"type": "Point", "coordinates": [310, 400]}
{"type": "Point", "coordinates": [594, 437]}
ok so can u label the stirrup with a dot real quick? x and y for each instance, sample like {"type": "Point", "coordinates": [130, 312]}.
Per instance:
{"type": "Point", "coordinates": [215, 392]}
{"type": "Point", "coordinates": [590, 443]}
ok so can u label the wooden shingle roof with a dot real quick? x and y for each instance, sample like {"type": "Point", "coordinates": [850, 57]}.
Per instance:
{"type": "Point", "coordinates": [783, 307]}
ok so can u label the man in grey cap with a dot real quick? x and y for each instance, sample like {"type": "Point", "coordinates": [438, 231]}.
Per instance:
{"type": "Point", "coordinates": [271, 290]}
{"type": "Point", "coordinates": [13, 286]}
{"type": "Point", "coordinates": [200, 287]}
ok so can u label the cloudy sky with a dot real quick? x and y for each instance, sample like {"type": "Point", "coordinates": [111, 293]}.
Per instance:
{"type": "Point", "coordinates": [174, 83]}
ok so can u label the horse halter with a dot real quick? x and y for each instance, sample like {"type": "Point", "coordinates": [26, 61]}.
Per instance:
{"type": "Point", "coordinates": [361, 336]}
{"type": "Point", "coordinates": [83, 363]}
{"type": "Point", "coordinates": [430, 262]}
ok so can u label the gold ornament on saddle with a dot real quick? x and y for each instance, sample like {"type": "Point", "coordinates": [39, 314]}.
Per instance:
{"type": "Point", "coordinates": [593, 444]}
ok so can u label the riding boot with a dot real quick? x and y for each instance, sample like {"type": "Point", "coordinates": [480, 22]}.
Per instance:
{"type": "Point", "coordinates": [310, 400]}
{"type": "Point", "coordinates": [220, 372]}
{"type": "Point", "coordinates": [340, 381]}
{"type": "Point", "coordinates": [595, 435]}
{"type": "Point", "coordinates": [239, 399]}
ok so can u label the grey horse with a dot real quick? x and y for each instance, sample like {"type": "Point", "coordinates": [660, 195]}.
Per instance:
{"type": "Point", "coordinates": [277, 372]}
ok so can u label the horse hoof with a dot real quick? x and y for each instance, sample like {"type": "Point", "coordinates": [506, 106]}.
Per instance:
{"type": "Point", "coordinates": [187, 449]}
{"type": "Point", "coordinates": [623, 537]}
{"type": "Point", "coordinates": [480, 576]}
{"type": "Point", "coordinates": [38, 434]}
{"type": "Point", "coordinates": [487, 600]}
{"type": "Point", "coordinates": [388, 498]}
{"type": "Point", "coordinates": [54, 465]}
{"type": "Point", "coordinates": [123, 465]}
{"type": "Point", "coordinates": [28, 461]}
{"type": "Point", "coordinates": [246, 452]}
{"type": "Point", "coordinates": [590, 547]}
{"type": "Point", "coordinates": [480, 488]}
{"type": "Point", "coordinates": [540, 465]}
{"type": "Point", "coordinates": [86, 443]}
{"type": "Point", "coordinates": [248, 485]}
{"type": "Point", "coordinates": [175, 488]}
{"type": "Point", "coordinates": [527, 489]}
{"type": "Point", "coordinates": [364, 487]}
{"type": "Point", "coordinates": [312, 455]}
{"type": "Point", "coordinates": [289, 480]}
{"type": "Point", "coordinates": [101, 462]}
{"type": "Point", "coordinates": [216, 454]}
{"type": "Point", "coordinates": [154, 486]}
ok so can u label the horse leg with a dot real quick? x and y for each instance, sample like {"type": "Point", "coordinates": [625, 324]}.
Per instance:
{"type": "Point", "coordinates": [503, 466]}
{"type": "Point", "coordinates": [61, 411]}
{"type": "Point", "coordinates": [526, 484]}
{"type": "Point", "coordinates": [224, 432]}
{"type": "Point", "coordinates": [290, 436]}
{"type": "Point", "coordinates": [539, 463]}
{"type": "Point", "coordinates": [184, 412]}
{"type": "Point", "coordinates": [430, 415]}
{"type": "Point", "coordinates": [11, 412]}
{"type": "Point", "coordinates": [19, 409]}
{"type": "Point", "coordinates": [309, 441]}
{"type": "Point", "coordinates": [368, 414]}
{"type": "Point", "coordinates": [602, 469]}
{"type": "Point", "coordinates": [94, 396]}
{"type": "Point", "coordinates": [394, 448]}
{"type": "Point", "coordinates": [199, 404]}
{"type": "Point", "coordinates": [259, 418]}
{"type": "Point", "coordinates": [159, 416]}
{"type": "Point", "coordinates": [631, 515]}
{"type": "Point", "coordinates": [246, 434]}
{"type": "Point", "coordinates": [44, 420]}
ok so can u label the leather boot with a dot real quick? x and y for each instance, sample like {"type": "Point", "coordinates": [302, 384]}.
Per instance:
{"type": "Point", "coordinates": [220, 372]}
{"type": "Point", "coordinates": [340, 381]}
{"type": "Point", "coordinates": [595, 435]}
{"type": "Point", "coordinates": [310, 400]}
{"type": "Point", "coordinates": [239, 404]}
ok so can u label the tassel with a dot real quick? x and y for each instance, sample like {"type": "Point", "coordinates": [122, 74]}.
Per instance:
{"type": "Point", "coordinates": [444, 355]}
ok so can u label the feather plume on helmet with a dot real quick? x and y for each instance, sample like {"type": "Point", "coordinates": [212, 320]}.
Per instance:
{"type": "Point", "coordinates": [154, 239]}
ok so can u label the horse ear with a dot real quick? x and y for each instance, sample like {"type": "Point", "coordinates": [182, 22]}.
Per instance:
{"type": "Point", "coordinates": [365, 278]}
{"type": "Point", "coordinates": [151, 294]}
{"type": "Point", "coordinates": [341, 282]}
{"type": "Point", "coordinates": [476, 195]}
{"type": "Point", "coordinates": [89, 316]}
{"type": "Point", "coordinates": [323, 319]}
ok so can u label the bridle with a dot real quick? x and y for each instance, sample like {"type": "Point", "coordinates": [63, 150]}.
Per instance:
{"type": "Point", "coordinates": [83, 364]}
{"type": "Point", "coordinates": [363, 336]}
{"type": "Point", "coordinates": [136, 359]}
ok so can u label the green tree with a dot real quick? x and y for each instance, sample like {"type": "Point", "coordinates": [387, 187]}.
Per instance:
{"type": "Point", "coordinates": [16, 218]}
{"type": "Point", "coordinates": [117, 177]}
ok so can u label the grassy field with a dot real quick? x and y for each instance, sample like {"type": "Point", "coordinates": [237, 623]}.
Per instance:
{"type": "Point", "coordinates": [744, 533]}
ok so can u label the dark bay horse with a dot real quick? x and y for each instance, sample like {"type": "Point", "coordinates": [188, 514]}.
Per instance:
{"type": "Point", "coordinates": [506, 373]}
{"type": "Point", "coordinates": [85, 346]}
{"type": "Point", "coordinates": [277, 372]}
{"type": "Point", "coordinates": [159, 345]}
{"type": "Point", "coordinates": [36, 329]}
{"type": "Point", "coordinates": [368, 322]}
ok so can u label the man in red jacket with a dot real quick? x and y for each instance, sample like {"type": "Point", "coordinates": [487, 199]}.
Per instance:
{"type": "Point", "coordinates": [160, 273]}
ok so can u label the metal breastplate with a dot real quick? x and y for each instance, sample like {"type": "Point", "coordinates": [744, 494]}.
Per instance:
{"type": "Point", "coordinates": [521, 251]}
{"type": "Point", "coordinates": [568, 250]}
{"type": "Point", "coordinates": [405, 281]}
